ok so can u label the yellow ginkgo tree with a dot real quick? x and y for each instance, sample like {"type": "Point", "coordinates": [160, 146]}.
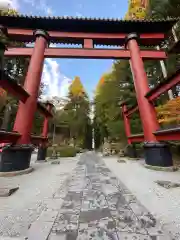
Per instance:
{"type": "Point", "coordinates": [169, 112]}
{"type": "Point", "coordinates": [138, 9]}
{"type": "Point", "coordinates": [76, 88]}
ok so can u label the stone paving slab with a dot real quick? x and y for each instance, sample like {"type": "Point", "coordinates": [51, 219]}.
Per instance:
{"type": "Point", "coordinates": [47, 216]}
{"type": "Point", "coordinates": [39, 230]}
{"type": "Point", "coordinates": [53, 204]}
{"type": "Point", "coordinates": [96, 205]}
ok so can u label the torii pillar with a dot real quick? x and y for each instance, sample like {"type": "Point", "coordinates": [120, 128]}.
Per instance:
{"type": "Point", "coordinates": [42, 151]}
{"type": "Point", "coordinates": [25, 115]}
{"type": "Point", "coordinates": [18, 158]}
{"type": "Point", "coordinates": [156, 153]}
{"type": "Point", "coordinates": [130, 150]}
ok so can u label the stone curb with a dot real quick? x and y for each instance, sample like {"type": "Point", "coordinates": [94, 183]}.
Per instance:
{"type": "Point", "coordinates": [163, 169]}
{"type": "Point", "coordinates": [121, 161]}
{"type": "Point", "coordinates": [13, 238]}
{"type": "Point", "coordinates": [55, 162]}
{"type": "Point", "coordinates": [6, 192]}
{"type": "Point", "coordinates": [130, 159]}
{"type": "Point", "coordinates": [133, 159]}
{"type": "Point", "coordinates": [16, 173]}
{"type": "Point", "coordinates": [41, 161]}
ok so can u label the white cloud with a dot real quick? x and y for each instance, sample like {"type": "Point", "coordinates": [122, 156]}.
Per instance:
{"type": "Point", "coordinates": [6, 4]}
{"type": "Point", "coordinates": [40, 5]}
{"type": "Point", "coordinates": [78, 14]}
{"type": "Point", "coordinates": [49, 11]}
{"type": "Point", "coordinates": [53, 45]}
{"type": "Point", "coordinates": [30, 44]}
{"type": "Point", "coordinates": [56, 83]}
{"type": "Point", "coordinates": [43, 6]}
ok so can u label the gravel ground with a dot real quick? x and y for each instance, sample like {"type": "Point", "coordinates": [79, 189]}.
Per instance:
{"type": "Point", "coordinates": [163, 203]}
{"type": "Point", "coordinates": [18, 211]}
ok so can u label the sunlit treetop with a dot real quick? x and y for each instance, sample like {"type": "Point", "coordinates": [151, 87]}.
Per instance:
{"type": "Point", "coordinates": [9, 12]}
{"type": "Point", "coordinates": [138, 9]}
{"type": "Point", "coordinates": [6, 8]}
{"type": "Point", "coordinates": [76, 88]}
{"type": "Point", "coordinates": [104, 77]}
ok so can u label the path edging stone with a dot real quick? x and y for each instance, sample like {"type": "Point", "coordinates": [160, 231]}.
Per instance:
{"type": "Point", "coordinates": [163, 169]}
{"type": "Point", "coordinates": [16, 173]}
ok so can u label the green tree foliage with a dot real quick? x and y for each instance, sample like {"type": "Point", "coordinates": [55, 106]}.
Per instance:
{"type": "Point", "coordinates": [75, 115]}
{"type": "Point", "coordinates": [107, 110]}
{"type": "Point", "coordinates": [118, 85]}
{"type": "Point", "coordinates": [15, 67]}
{"type": "Point", "coordinates": [164, 9]}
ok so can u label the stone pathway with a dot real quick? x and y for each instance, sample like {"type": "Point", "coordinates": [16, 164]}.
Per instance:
{"type": "Point", "coordinates": [93, 204]}
{"type": "Point", "coordinates": [81, 200]}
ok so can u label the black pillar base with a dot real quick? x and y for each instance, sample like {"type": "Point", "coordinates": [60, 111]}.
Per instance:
{"type": "Point", "coordinates": [15, 158]}
{"type": "Point", "coordinates": [158, 154]}
{"type": "Point", "coordinates": [42, 152]}
{"type": "Point", "coordinates": [130, 151]}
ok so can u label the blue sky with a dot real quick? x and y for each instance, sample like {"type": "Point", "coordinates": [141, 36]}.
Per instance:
{"type": "Point", "coordinates": [58, 73]}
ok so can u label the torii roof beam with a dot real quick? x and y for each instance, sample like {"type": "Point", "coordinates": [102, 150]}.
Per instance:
{"type": "Point", "coordinates": [26, 35]}
{"type": "Point", "coordinates": [86, 53]}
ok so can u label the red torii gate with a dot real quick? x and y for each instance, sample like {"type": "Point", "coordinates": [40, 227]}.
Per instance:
{"type": "Point", "coordinates": [88, 33]}
{"type": "Point", "coordinates": [170, 134]}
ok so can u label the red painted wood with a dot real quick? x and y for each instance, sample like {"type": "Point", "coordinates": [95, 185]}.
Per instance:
{"type": "Point", "coordinates": [129, 112]}
{"type": "Point", "coordinates": [175, 136]}
{"type": "Point", "coordinates": [25, 113]}
{"type": "Point", "coordinates": [15, 90]}
{"type": "Point", "coordinates": [43, 110]}
{"type": "Point", "coordinates": [78, 37]}
{"type": "Point", "coordinates": [159, 90]}
{"type": "Point", "coordinates": [46, 122]}
{"type": "Point", "coordinates": [88, 43]}
{"type": "Point", "coordinates": [126, 123]}
{"type": "Point", "coordinates": [136, 138]}
{"type": "Point", "coordinates": [86, 53]}
{"type": "Point", "coordinates": [45, 127]}
{"type": "Point", "coordinates": [169, 137]}
{"type": "Point", "coordinates": [147, 111]}
{"type": "Point", "coordinates": [8, 137]}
